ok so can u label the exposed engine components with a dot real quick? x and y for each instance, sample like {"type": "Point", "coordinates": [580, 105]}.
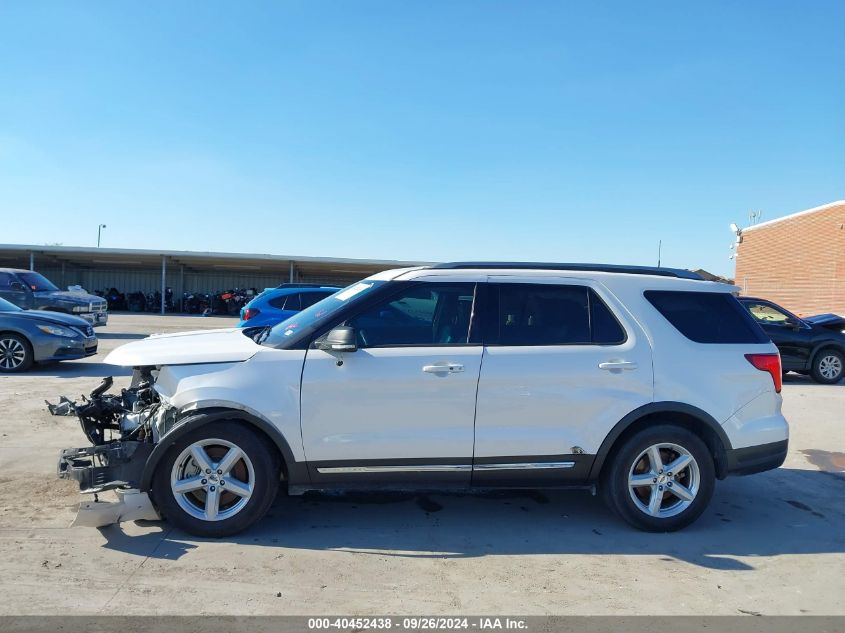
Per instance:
{"type": "Point", "coordinates": [105, 417]}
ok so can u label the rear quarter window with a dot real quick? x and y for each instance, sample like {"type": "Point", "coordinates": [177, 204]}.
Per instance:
{"type": "Point", "coordinates": [707, 317]}
{"type": "Point", "coordinates": [286, 302]}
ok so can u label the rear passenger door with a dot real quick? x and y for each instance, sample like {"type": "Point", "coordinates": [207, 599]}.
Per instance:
{"type": "Point", "coordinates": [563, 362]}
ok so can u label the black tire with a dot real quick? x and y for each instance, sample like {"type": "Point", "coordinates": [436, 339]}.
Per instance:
{"type": "Point", "coordinates": [626, 459]}
{"type": "Point", "coordinates": [11, 345]}
{"type": "Point", "coordinates": [265, 467]}
{"type": "Point", "coordinates": [824, 365]}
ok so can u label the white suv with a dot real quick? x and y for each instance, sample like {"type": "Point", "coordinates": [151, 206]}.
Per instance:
{"type": "Point", "coordinates": [648, 384]}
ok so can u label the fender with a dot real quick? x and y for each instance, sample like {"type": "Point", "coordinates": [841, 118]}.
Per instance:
{"type": "Point", "coordinates": [654, 408]}
{"type": "Point", "coordinates": [820, 346]}
{"type": "Point", "coordinates": [297, 472]}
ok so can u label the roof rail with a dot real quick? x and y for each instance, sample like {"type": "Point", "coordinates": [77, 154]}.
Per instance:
{"type": "Point", "coordinates": [300, 286]}
{"type": "Point", "coordinates": [680, 273]}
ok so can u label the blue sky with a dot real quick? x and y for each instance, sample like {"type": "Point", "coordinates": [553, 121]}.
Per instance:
{"type": "Point", "coordinates": [418, 130]}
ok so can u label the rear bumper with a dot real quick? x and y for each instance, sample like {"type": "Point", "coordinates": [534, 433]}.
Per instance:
{"type": "Point", "coordinates": [756, 459]}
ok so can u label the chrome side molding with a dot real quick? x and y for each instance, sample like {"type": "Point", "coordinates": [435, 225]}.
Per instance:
{"type": "Point", "coordinates": [525, 466]}
{"type": "Point", "coordinates": [415, 468]}
{"type": "Point", "coordinates": [442, 468]}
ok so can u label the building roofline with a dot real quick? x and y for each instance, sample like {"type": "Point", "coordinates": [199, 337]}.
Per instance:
{"type": "Point", "coordinates": [795, 215]}
{"type": "Point", "coordinates": [42, 248]}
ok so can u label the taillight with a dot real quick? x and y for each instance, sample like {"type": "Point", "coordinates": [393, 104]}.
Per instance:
{"type": "Point", "coordinates": [250, 312]}
{"type": "Point", "coordinates": [769, 363]}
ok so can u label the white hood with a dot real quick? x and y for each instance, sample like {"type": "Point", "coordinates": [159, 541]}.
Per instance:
{"type": "Point", "coordinates": [186, 348]}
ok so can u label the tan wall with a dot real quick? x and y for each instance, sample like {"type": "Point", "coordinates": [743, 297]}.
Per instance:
{"type": "Point", "coordinates": [798, 262]}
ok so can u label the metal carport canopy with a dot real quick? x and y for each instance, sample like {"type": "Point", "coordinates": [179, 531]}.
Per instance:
{"type": "Point", "coordinates": [33, 256]}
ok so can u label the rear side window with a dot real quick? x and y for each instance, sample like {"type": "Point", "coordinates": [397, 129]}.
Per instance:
{"type": "Point", "coordinates": [546, 314]}
{"type": "Point", "coordinates": [286, 302]}
{"type": "Point", "coordinates": [707, 317]}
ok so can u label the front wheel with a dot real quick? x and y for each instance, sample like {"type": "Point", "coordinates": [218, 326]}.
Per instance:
{"type": "Point", "coordinates": [661, 479]}
{"type": "Point", "coordinates": [216, 480]}
{"type": "Point", "coordinates": [15, 353]}
{"type": "Point", "coordinates": [827, 366]}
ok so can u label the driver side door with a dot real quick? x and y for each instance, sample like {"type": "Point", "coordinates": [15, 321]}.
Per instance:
{"type": "Point", "coordinates": [401, 408]}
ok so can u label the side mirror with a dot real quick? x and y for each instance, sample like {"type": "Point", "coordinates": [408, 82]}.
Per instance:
{"type": "Point", "coordinates": [340, 339]}
{"type": "Point", "coordinates": [790, 322]}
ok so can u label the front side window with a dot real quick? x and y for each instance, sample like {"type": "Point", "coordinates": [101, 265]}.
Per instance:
{"type": "Point", "coordinates": [547, 314]}
{"type": "Point", "coordinates": [766, 313]}
{"type": "Point", "coordinates": [302, 324]}
{"type": "Point", "coordinates": [37, 282]}
{"type": "Point", "coordinates": [6, 280]}
{"type": "Point", "coordinates": [425, 314]}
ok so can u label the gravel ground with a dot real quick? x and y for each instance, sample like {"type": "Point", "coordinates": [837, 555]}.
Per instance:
{"type": "Point", "coordinates": [771, 543]}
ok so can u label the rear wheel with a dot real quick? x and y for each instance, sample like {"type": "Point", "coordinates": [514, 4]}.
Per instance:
{"type": "Point", "coordinates": [827, 366]}
{"type": "Point", "coordinates": [15, 353]}
{"type": "Point", "coordinates": [661, 479]}
{"type": "Point", "coordinates": [216, 480]}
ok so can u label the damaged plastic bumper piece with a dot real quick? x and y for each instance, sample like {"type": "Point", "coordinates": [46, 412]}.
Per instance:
{"type": "Point", "coordinates": [131, 505]}
{"type": "Point", "coordinates": [105, 467]}
{"type": "Point", "coordinates": [116, 466]}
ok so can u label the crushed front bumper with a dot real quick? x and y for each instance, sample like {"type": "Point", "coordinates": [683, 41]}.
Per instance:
{"type": "Point", "coordinates": [115, 466]}
{"type": "Point", "coordinates": [105, 467]}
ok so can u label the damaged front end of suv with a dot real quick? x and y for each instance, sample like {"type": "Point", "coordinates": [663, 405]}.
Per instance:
{"type": "Point", "coordinates": [123, 430]}
{"type": "Point", "coordinates": [179, 381]}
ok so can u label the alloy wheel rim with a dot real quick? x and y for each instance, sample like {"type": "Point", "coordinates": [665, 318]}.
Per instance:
{"type": "Point", "coordinates": [830, 367]}
{"type": "Point", "coordinates": [212, 480]}
{"type": "Point", "coordinates": [664, 480]}
{"type": "Point", "coordinates": [12, 353]}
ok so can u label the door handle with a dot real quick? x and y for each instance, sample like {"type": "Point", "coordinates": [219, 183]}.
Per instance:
{"type": "Point", "coordinates": [618, 365]}
{"type": "Point", "coordinates": [444, 368]}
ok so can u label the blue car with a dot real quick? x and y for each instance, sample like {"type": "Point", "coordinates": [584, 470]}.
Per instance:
{"type": "Point", "coordinates": [274, 305]}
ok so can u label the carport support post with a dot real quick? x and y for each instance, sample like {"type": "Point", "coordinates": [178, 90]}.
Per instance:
{"type": "Point", "coordinates": [182, 288]}
{"type": "Point", "coordinates": [163, 280]}
{"type": "Point", "coordinates": [32, 261]}
{"type": "Point", "coordinates": [291, 271]}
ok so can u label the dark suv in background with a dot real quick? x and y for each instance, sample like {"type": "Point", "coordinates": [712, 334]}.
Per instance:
{"type": "Point", "coordinates": [30, 290]}
{"type": "Point", "coordinates": [812, 346]}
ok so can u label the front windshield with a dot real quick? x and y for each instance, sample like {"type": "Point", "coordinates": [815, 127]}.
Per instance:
{"type": "Point", "coordinates": [5, 306]}
{"type": "Point", "coordinates": [36, 281]}
{"type": "Point", "coordinates": [310, 318]}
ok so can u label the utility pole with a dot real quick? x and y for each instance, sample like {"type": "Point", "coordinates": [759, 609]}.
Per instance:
{"type": "Point", "coordinates": [659, 249]}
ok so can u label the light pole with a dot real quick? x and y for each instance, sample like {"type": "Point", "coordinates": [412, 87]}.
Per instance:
{"type": "Point", "coordinates": [100, 227]}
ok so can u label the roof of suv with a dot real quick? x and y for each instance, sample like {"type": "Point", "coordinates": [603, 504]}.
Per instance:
{"type": "Point", "coordinates": [573, 267]}
{"type": "Point", "coordinates": [604, 271]}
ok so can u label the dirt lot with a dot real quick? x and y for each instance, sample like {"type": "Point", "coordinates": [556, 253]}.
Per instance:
{"type": "Point", "coordinates": [771, 543]}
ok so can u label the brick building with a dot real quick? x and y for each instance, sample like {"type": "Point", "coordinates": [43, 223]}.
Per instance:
{"type": "Point", "coordinates": [797, 261]}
